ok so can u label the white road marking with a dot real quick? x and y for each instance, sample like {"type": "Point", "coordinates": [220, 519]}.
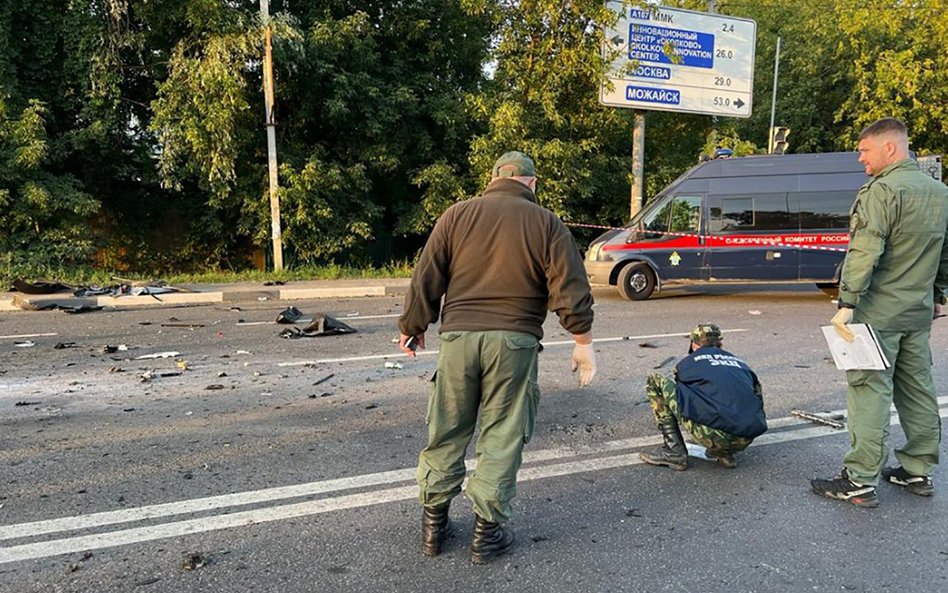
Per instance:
{"type": "Point", "coordinates": [274, 513]}
{"type": "Point", "coordinates": [400, 354]}
{"type": "Point", "coordinates": [27, 336]}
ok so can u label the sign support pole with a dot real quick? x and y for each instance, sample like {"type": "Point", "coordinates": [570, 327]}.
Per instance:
{"type": "Point", "coordinates": [638, 161]}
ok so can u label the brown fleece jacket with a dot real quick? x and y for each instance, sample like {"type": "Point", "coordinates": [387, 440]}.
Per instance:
{"type": "Point", "coordinates": [500, 261]}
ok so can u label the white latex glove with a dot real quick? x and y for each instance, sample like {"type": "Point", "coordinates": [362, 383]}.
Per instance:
{"type": "Point", "coordinates": [843, 318]}
{"type": "Point", "coordinates": [584, 359]}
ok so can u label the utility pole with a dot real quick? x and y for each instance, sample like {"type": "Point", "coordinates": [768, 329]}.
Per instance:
{"type": "Point", "coordinates": [773, 101]}
{"type": "Point", "coordinates": [275, 231]}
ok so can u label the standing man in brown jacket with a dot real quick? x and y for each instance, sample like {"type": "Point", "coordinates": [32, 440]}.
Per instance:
{"type": "Point", "coordinates": [500, 261]}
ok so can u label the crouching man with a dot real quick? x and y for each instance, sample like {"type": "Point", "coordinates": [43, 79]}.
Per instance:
{"type": "Point", "coordinates": [715, 395]}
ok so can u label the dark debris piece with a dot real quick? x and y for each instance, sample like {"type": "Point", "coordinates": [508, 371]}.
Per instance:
{"type": "Point", "coordinates": [647, 345]}
{"type": "Point", "coordinates": [193, 561]}
{"type": "Point", "coordinates": [64, 345]}
{"type": "Point", "coordinates": [289, 315]}
{"type": "Point", "coordinates": [27, 403]}
{"type": "Point", "coordinates": [322, 325]}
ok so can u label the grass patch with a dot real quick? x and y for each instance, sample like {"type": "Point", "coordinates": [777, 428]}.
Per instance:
{"type": "Point", "coordinates": [95, 277]}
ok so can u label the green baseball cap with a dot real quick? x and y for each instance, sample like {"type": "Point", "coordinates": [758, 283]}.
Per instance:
{"type": "Point", "coordinates": [703, 332]}
{"type": "Point", "coordinates": [514, 164]}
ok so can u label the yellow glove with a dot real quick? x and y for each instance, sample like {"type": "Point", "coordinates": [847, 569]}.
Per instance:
{"type": "Point", "coordinates": [584, 359]}
{"type": "Point", "coordinates": [843, 318]}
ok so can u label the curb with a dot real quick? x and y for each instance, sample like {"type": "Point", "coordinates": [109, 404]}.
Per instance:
{"type": "Point", "coordinates": [20, 302]}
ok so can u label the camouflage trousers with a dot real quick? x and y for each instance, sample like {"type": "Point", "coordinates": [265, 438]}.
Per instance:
{"type": "Point", "coordinates": [661, 398]}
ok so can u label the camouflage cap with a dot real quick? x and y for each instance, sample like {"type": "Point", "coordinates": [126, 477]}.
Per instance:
{"type": "Point", "coordinates": [514, 164]}
{"type": "Point", "coordinates": [703, 332]}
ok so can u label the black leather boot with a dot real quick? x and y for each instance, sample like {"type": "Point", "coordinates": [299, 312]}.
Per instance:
{"type": "Point", "coordinates": [490, 540]}
{"type": "Point", "coordinates": [673, 453]}
{"type": "Point", "coordinates": [434, 529]}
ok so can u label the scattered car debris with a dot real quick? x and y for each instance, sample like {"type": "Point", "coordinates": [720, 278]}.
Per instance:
{"type": "Point", "coordinates": [76, 309]}
{"type": "Point", "coordinates": [169, 354]}
{"type": "Point", "coordinates": [24, 343]}
{"type": "Point", "coordinates": [647, 345]}
{"type": "Point", "coordinates": [109, 349]}
{"type": "Point", "coordinates": [147, 376]}
{"type": "Point", "coordinates": [753, 312]}
{"type": "Point", "coordinates": [322, 325]}
{"type": "Point", "coordinates": [187, 325]}
{"type": "Point", "coordinates": [393, 365]}
{"type": "Point", "coordinates": [182, 364]}
{"type": "Point", "coordinates": [633, 513]}
{"type": "Point", "coordinates": [324, 379]}
{"type": "Point", "coordinates": [371, 406]}
{"type": "Point", "coordinates": [289, 315]}
{"type": "Point", "coordinates": [40, 287]}
{"type": "Point", "coordinates": [222, 374]}
{"type": "Point", "coordinates": [826, 420]}
{"type": "Point", "coordinates": [27, 403]}
{"type": "Point", "coordinates": [323, 394]}
{"type": "Point", "coordinates": [64, 345]}
{"type": "Point", "coordinates": [193, 561]}
{"type": "Point", "coordinates": [242, 352]}
{"type": "Point", "coordinates": [664, 362]}
{"type": "Point", "coordinates": [214, 387]}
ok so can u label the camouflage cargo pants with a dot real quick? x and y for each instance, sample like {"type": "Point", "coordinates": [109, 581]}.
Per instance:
{"type": "Point", "coordinates": [661, 398]}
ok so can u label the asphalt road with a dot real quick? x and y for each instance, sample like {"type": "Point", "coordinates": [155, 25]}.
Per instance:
{"type": "Point", "coordinates": [287, 465]}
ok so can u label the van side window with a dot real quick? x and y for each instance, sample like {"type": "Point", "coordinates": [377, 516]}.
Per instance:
{"type": "Point", "coordinates": [681, 214]}
{"type": "Point", "coordinates": [761, 212]}
{"type": "Point", "coordinates": [823, 210]}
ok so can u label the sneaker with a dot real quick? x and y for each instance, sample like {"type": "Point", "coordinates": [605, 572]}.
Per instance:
{"type": "Point", "coordinates": [842, 488]}
{"type": "Point", "coordinates": [920, 485]}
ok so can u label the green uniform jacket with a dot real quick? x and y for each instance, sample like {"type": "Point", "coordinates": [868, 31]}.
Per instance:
{"type": "Point", "coordinates": [500, 261]}
{"type": "Point", "coordinates": [897, 260]}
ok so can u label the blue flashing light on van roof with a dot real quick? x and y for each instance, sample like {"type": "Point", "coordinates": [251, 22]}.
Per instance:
{"type": "Point", "coordinates": [773, 218]}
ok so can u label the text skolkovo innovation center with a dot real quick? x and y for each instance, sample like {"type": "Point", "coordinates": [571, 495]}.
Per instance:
{"type": "Point", "coordinates": [682, 61]}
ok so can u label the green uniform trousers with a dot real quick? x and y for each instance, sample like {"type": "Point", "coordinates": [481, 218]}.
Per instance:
{"type": "Point", "coordinates": [494, 372]}
{"type": "Point", "coordinates": [661, 398]}
{"type": "Point", "coordinates": [908, 384]}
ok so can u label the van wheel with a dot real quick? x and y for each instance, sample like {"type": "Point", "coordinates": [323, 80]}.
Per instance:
{"type": "Point", "coordinates": [636, 282]}
{"type": "Point", "coordinates": [830, 288]}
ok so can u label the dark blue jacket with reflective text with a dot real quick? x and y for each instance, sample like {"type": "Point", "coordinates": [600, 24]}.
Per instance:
{"type": "Point", "coordinates": [717, 389]}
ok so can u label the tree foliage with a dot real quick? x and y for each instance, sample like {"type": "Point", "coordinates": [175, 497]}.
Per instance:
{"type": "Point", "coordinates": [132, 131]}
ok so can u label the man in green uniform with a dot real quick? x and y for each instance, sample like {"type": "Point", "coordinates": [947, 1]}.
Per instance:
{"type": "Point", "coordinates": [894, 278]}
{"type": "Point", "coordinates": [500, 261]}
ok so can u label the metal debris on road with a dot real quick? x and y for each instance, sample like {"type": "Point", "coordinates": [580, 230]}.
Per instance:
{"type": "Point", "coordinates": [24, 344]}
{"type": "Point", "coordinates": [187, 325]}
{"type": "Point", "coordinates": [214, 387]}
{"type": "Point", "coordinates": [193, 561]}
{"type": "Point", "coordinates": [647, 345]}
{"type": "Point", "coordinates": [27, 403]}
{"type": "Point", "coordinates": [169, 354]}
{"type": "Point", "coordinates": [393, 365]}
{"type": "Point", "coordinates": [830, 421]}
{"type": "Point", "coordinates": [64, 345]}
{"type": "Point", "coordinates": [664, 362]}
{"type": "Point", "coordinates": [109, 349]}
{"type": "Point", "coordinates": [324, 379]}
{"type": "Point", "coordinates": [322, 325]}
{"type": "Point", "coordinates": [753, 312]}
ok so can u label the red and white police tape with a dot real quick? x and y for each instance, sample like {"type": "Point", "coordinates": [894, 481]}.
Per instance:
{"type": "Point", "coordinates": [744, 241]}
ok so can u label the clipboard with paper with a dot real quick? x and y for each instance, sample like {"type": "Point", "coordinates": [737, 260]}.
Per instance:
{"type": "Point", "coordinates": [863, 353]}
